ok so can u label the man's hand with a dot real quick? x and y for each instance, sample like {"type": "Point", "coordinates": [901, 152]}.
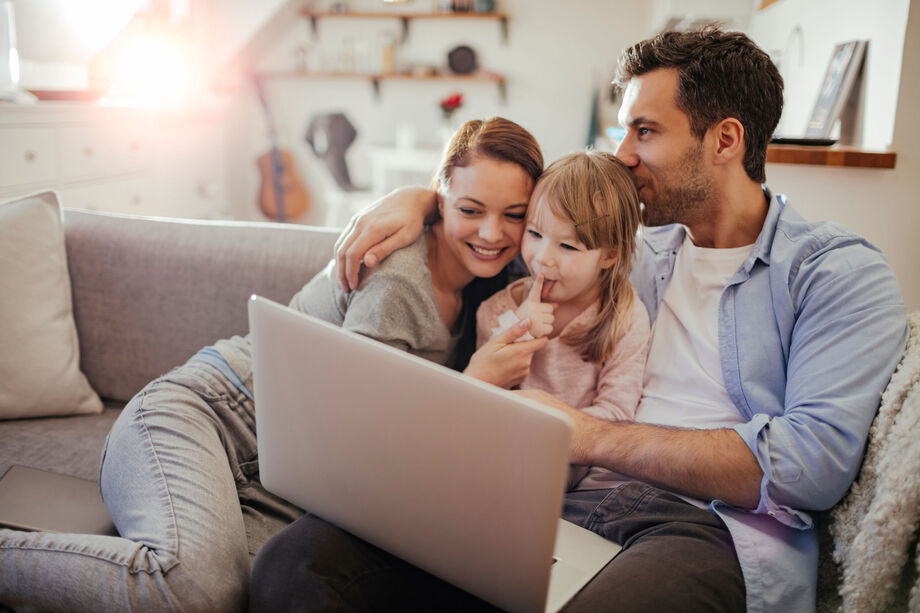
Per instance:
{"type": "Point", "coordinates": [503, 362]}
{"type": "Point", "coordinates": [705, 464]}
{"type": "Point", "coordinates": [586, 426]}
{"type": "Point", "coordinates": [393, 222]}
{"type": "Point", "coordinates": [538, 312]}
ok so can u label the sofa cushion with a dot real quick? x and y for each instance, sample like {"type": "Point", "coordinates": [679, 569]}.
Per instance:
{"type": "Point", "coordinates": [40, 361]}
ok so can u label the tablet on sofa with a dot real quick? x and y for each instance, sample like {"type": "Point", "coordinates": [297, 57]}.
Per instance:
{"type": "Point", "coordinates": [35, 499]}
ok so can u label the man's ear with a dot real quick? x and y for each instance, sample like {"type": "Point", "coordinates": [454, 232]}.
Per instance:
{"type": "Point", "coordinates": [729, 140]}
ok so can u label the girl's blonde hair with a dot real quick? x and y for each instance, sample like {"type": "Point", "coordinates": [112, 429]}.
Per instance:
{"type": "Point", "coordinates": [596, 193]}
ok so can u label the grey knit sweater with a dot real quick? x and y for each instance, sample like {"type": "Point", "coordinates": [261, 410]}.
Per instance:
{"type": "Point", "coordinates": [395, 304]}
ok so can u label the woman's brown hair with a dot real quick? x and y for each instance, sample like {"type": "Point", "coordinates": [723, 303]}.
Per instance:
{"type": "Point", "coordinates": [497, 139]}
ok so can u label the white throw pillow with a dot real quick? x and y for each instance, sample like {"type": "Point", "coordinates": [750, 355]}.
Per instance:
{"type": "Point", "coordinates": [39, 352]}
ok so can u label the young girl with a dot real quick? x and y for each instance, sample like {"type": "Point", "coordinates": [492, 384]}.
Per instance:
{"type": "Point", "coordinates": [578, 246]}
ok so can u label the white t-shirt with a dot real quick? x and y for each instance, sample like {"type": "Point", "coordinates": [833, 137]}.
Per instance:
{"type": "Point", "coordinates": [683, 384]}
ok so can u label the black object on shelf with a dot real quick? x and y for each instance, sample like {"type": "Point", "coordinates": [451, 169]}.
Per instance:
{"type": "Point", "coordinates": [803, 140]}
{"type": "Point", "coordinates": [461, 60]}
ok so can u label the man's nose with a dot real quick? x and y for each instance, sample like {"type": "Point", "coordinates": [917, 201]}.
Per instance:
{"type": "Point", "coordinates": [626, 151]}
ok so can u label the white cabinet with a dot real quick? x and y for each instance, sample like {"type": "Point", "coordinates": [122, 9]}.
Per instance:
{"type": "Point", "coordinates": [127, 195]}
{"type": "Point", "coordinates": [98, 150]}
{"type": "Point", "coordinates": [192, 153]}
{"type": "Point", "coordinates": [27, 155]}
{"type": "Point", "coordinates": [148, 162]}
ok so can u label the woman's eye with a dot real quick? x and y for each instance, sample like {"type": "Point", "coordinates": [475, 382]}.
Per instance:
{"type": "Point", "coordinates": [515, 216]}
{"type": "Point", "coordinates": [467, 211]}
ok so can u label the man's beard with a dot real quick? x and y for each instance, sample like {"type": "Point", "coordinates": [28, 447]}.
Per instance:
{"type": "Point", "coordinates": [682, 192]}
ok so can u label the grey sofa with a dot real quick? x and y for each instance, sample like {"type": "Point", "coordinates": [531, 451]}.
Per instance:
{"type": "Point", "coordinates": [148, 293]}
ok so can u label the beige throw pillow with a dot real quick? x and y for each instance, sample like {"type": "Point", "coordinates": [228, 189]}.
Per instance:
{"type": "Point", "coordinates": [39, 352]}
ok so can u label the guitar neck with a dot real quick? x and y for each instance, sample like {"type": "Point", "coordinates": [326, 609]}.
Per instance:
{"type": "Point", "coordinates": [269, 119]}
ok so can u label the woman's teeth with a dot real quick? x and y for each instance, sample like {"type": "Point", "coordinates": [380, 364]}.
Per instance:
{"type": "Point", "coordinates": [486, 252]}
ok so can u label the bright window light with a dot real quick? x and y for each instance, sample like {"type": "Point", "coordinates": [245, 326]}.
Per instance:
{"type": "Point", "coordinates": [95, 22]}
{"type": "Point", "coordinates": [156, 70]}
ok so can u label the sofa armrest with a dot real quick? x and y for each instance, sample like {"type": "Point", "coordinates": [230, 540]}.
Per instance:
{"type": "Point", "coordinates": [149, 292]}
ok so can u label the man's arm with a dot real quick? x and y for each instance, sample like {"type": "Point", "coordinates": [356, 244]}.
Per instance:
{"type": "Point", "coordinates": [388, 224]}
{"type": "Point", "coordinates": [846, 338]}
{"type": "Point", "coordinates": [705, 464]}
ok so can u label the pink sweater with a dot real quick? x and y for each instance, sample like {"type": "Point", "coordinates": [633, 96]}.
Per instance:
{"type": "Point", "coordinates": [609, 390]}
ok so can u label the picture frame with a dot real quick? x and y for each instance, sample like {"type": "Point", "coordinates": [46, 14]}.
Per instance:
{"type": "Point", "coordinates": [845, 65]}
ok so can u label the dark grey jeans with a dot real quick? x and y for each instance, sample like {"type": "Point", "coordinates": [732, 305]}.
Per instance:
{"type": "Point", "coordinates": [676, 557]}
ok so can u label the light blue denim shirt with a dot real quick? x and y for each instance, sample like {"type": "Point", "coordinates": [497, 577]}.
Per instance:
{"type": "Point", "coordinates": [811, 328]}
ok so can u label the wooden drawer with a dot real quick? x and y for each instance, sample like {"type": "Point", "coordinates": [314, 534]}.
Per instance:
{"type": "Point", "coordinates": [103, 150]}
{"type": "Point", "coordinates": [135, 195]}
{"type": "Point", "coordinates": [194, 196]}
{"type": "Point", "coordinates": [27, 156]}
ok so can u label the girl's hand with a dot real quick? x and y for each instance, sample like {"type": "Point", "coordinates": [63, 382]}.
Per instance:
{"type": "Point", "coordinates": [540, 313]}
{"type": "Point", "coordinates": [503, 362]}
{"type": "Point", "coordinates": [393, 222]}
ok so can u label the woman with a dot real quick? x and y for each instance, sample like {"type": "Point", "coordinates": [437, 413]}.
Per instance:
{"type": "Point", "coordinates": [180, 467]}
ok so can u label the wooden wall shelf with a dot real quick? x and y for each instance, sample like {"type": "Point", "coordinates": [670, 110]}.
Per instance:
{"type": "Point", "coordinates": [482, 76]}
{"type": "Point", "coordinates": [837, 155]}
{"type": "Point", "coordinates": [406, 17]}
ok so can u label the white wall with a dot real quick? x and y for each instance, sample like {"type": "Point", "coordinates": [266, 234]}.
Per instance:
{"type": "Point", "coordinates": [731, 13]}
{"type": "Point", "coordinates": [803, 55]}
{"type": "Point", "coordinates": [879, 204]}
{"type": "Point", "coordinates": [557, 53]}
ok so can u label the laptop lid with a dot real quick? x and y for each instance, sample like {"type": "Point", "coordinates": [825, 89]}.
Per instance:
{"type": "Point", "coordinates": [458, 477]}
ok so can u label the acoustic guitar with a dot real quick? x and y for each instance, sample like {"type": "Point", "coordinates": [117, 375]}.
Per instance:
{"type": "Point", "coordinates": [282, 195]}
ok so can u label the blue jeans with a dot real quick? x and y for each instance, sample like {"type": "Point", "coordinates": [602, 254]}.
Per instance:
{"type": "Point", "coordinates": [676, 557]}
{"type": "Point", "coordinates": [179, 475]}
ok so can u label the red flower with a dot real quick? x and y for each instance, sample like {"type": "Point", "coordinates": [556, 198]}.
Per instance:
{"type": "Point", "coordinates": [451, 103]}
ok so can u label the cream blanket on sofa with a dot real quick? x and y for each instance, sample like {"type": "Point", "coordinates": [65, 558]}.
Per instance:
{"type": "Point", "coordinates": [875, 526]}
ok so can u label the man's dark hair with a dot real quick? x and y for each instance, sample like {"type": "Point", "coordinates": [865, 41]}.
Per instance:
{"type": "Point", "coordinates": [722, 74]}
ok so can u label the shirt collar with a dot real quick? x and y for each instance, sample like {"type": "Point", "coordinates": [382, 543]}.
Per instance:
{"type": "Point", "coordinates": [669, 238]}
{"type": "Point", "coordinates": [764, 243]}
{"type": "Point", "coordinates": [664, 238]}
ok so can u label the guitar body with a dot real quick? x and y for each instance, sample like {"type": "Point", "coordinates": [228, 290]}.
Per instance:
{"type": "Point", "coordinates": [282, 195]}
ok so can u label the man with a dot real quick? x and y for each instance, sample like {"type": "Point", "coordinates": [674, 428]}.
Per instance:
{"type": "Point", "coordinates": [773, 339]}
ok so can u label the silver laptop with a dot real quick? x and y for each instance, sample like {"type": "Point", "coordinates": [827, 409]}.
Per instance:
{"type": "Point", "coordinates": [458, 477]}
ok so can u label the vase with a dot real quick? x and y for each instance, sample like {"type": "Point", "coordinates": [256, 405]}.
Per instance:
{"type": "Point", "coordinates": [445, 131]}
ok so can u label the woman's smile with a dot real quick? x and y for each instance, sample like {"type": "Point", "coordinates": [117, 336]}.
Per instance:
{"type": "Point", "coordinates": [486, 253]}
